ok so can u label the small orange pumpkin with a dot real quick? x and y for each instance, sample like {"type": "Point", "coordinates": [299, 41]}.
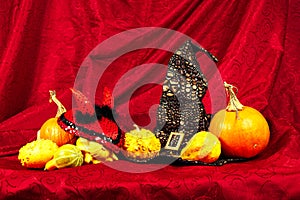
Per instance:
{"type": "Point", "coordinates": [242, 130]}
{"type": "Point", "coordinates": [51, 130]}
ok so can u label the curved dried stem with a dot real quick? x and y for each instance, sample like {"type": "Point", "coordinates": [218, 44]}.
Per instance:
{"type": "Point", "coordinates": [233, 104]}
{"type": "Point", "coordinates": [137, 127]}
{"type": "Point", "coordinates": [60, 108]}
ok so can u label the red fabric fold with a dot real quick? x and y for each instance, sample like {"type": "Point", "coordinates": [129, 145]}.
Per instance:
{"type": "Point", "coordinates": [44, 43]}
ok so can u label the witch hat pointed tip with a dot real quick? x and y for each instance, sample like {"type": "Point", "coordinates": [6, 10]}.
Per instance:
{"type": "Point", "coordinates": [75, 91]}
{"type": "Point", "coordinates": [82, 102]}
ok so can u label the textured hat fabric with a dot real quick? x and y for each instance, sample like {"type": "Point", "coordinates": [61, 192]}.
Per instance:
{"type": "Point", "coordinates": [181, 108]}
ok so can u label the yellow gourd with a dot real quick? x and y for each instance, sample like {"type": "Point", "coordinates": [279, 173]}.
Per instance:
{"type": "Point", "coordinates": [141, 144]}
{"type": "Point", "coordinates": [203, 146]}
{"type": "Point", "coordinates": [94, 152]}
{"type": "Point", "coordinates": [37, 153]}
{"type": "Point", "coordinates": [67, 155]}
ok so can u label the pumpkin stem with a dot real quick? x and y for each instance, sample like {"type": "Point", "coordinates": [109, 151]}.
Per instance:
{"type": "Point", "coordinates": [60, 108]}
{"type": "Point", "coordinates": [233, 104]}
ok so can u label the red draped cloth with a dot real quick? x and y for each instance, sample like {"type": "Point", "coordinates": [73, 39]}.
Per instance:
{"type": "Point", "coordinates": [44, 43]}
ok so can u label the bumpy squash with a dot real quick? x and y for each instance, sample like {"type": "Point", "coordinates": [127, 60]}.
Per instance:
{"type": "Point", "coordinates": [141, 145]}
{"type": "Point", "coordinates": [37, 153]}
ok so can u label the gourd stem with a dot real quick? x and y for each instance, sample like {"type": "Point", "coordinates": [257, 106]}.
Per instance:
{"type": "Point", "coordinates": [137, 127]}
{"type": "Point", "coordinates": [234, 104]}
{"type": "Point", "coordinates": [60, 108]}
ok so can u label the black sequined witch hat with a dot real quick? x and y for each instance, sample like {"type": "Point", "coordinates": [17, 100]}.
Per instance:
{"type": "Point", "coordinates": [181, 113]}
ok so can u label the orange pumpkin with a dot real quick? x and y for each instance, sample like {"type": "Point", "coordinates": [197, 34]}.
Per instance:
{"type": "Point", "coordinates": [242, 130]}
{"type": "Point", "coordinates": [52, 131]}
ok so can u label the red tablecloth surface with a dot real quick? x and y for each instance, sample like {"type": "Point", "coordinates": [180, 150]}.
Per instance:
{"type": "Point", "coordinates": [258, 179]}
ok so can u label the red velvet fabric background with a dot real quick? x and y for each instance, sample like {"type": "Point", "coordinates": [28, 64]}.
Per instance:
{"type": "Point", "coordinates": [43, 43]}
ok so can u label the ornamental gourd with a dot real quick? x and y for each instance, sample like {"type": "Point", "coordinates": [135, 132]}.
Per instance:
{"type": "Point", "coordinates": [37, 153]}
{"type": "Point", "coordinates": [94, 151]}
{"type": "Point", "coordinates": [51, 130]}
{"type": "Point", "coordinates": [203, 146]}
{"type": "Point", "coordinates": [141, 145]}
{"type": "Point", "coordinates": [67, 155]}
{"type": "Point", "coordinates": [242, 130]}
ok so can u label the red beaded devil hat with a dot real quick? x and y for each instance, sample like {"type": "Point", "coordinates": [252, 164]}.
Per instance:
{"type": "Point", "coordinates": [93, 122]}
